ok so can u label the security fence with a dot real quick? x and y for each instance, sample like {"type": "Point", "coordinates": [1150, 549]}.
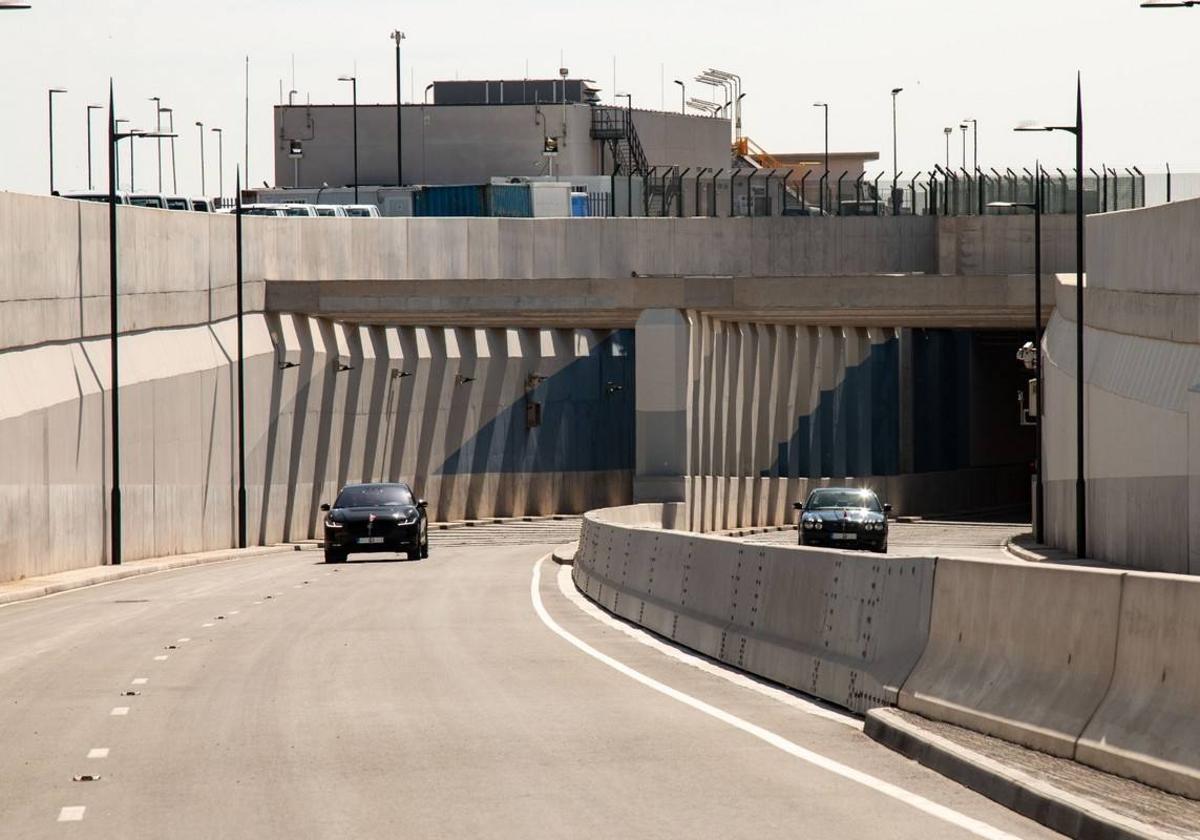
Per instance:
{"type": "Point", "coordinates": [671, 191]}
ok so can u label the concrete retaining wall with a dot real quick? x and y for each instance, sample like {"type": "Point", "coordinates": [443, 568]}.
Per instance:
{"type": "Point", "coordinates": [846, 628]}
{"type": "Point", "coordinates": [454, 424]}
{"type": "Point", "coordinates": [1096, 665]}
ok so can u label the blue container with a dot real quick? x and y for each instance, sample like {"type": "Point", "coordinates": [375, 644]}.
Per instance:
{"type": "Point", "coordinates": [579, 204]}
{"type": "Point", "coordinates": [512, 201]}
{"type": "Point", "coordinates": [465, 200]}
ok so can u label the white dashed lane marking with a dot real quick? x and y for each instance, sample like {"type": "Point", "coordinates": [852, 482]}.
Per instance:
{"type": "Point", "coordinates": [140, 681]}
{"type": "Point", "coordinates": [98, 752]}
{"type": "Point", "coordinates": [209, 624]}
{"type": "Point", "coordinates": [119, 711]}
{"type": "Point", "coordinates": [184, 639]}
{"type": "Point", "coordinates": [162, 657]}
{"type": "Point", "coordinates": [71, 813]}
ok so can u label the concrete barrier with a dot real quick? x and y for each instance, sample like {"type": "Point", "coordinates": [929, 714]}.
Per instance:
{"type": "Point", "coordinates": [1021, 652]}
{"type": "Point", "coordinates": [1146, 728]}
{"type": "Point", "coordinates": [845, 628]}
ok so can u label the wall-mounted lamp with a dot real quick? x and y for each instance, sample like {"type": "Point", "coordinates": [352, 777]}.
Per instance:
{"type": "Point", "coordinates": [459, 379]}
{"type": "Point", "coordinates": [340, 367]}
{"type": "Point", "coordinates": [286, 365]}
{"type": "Point", "coordinates": [613, 387]}
{"type": "Point", "coordinates": [533, 380]}
{"type": "Point", "coordinates": [399, 374]}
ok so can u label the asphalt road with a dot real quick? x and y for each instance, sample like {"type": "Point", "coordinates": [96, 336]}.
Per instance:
{"type": "Point", "coordinates": [468, 695]}
{"type": "Point", "coordinates": [973, 540]}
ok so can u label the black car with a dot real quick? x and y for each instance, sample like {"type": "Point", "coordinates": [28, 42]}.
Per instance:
{"type": "Point", "coordinates": [844, 517]}
{"type": "Point", "coordinates": [374, 518]}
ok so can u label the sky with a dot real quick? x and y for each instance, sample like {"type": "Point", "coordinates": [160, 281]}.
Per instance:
{"type": "Point", "coordinates": [997, 62]}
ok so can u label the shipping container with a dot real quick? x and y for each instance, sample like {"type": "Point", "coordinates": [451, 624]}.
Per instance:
{"type": "Point", "coordinates": [510, 201]}
{"type": "Point", "coordinates": [462, 200]}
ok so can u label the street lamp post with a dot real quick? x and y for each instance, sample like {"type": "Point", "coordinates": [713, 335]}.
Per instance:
{"type": "Point", "coordinates": [241, 374]}
{"type": "Point", "coordinates": [203, 189]}
{"type": "Point", "coordinates": [1036, 207]}
{"type": "Point", "coordinates": [398, 36]}
{"type": "Point", "coordinates": [90, 108]}
{"type": "Point", "coordinates": [682, 96]}
{"type": "Point", "coordinates": [158, 112]}
{"type": "Point", "coordinates": [895, 152]}
{"type": "Point", "coordinates": [353, 80]}
{"type": "Point", "coordinates": [975, 139]}
{"type": "Point", "coordinates": [948, 131]}
{"type": "Point", "coordinates": [50, 99]}
{"type": "Point", "coordinates": [220, 161]}
{"type": "Point", "coordinates": [825, 105]}
{"type": "Point", "coordinates": [1080, 478]}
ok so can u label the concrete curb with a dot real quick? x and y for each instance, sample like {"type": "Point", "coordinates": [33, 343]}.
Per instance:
{"type": "Point", "coordinates": [1044, 803]}
{"type": "Point", "coordinates": [33, 588]}
{"type": "Point", "coordinates": [1022, 553]}
{"type": "Point", "coordinates": [564, 555]}
{"type": "Point", "coordinates": [499, 520]}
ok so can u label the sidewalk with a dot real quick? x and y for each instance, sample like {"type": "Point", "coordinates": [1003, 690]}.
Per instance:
{"type": "Point", "coordinates": [1063, 795]}
{"type": "Point", "coordinates": [12, 592]}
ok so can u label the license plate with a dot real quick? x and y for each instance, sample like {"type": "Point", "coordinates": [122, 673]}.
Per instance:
{"type": "Point", "coordinates": [370, 540]}
{"type": "Point", "coordinates": [845, 536]}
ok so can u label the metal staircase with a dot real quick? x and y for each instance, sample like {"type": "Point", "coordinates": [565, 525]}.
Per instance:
{"type": "Point", "coordinates": [614, 126]}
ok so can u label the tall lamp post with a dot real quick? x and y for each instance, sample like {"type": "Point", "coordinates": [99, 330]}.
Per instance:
{"type": "Point", "coordinates": [895, 153]}
{"type": "Point", "coordinates": [825, 105]}
{"type": "Point", "coordinates": [682, 96]}
{"type": "Point", "coordinates": [1036, 206]}
{"type": "Point", "coordinates": [947, 131]}
{"type": "Point", "coordinates": [1080, 479]}
{"type": "Point", "coordinates": [50, 100]}
{"type": "Point", "coordinates": [353, 80]}
{"type": "Point", "coordinates": [158, 112]}
{"type": "Point", "coordinates": [398, 36]}
{"type": "Point", "coordinates": [90, 108]}
{"type": "Point", "coordinates": [220, 161]}
{"type": "Point", "coordinates": [114, 362]}
{"type": "Point", "coordinates": [203, 189]}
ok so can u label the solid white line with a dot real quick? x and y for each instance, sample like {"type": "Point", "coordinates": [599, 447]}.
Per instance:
{"type": "Point", "coordinates": [234, 612]}
{"type": "Point", "coordinates": [974, 826]}
{"type": "Point", "coordinates": [209, 624]}
{"type": "Point", "coordinates": [120, 711]}
{"type": "Point", "coordinates": [162, 657]}
{"type": "Point", "coordinates": [71, 813]}
{"type": "Point", "coordinates": [98, 752]}
{"type": "Point", "coordinates": [567, 587]}
{"type": "Point", "coordinates": [184, 639]}
{"type": "Point", "coordinates": [139, 681]}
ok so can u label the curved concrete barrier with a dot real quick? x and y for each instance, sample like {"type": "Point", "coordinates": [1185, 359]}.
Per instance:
{"type": "Point", "coordinates": [1147, 727]}
{"type": "Point", "coordinates": [1021, 652]}
{"type": "Point", "coordinates": [845, 628]}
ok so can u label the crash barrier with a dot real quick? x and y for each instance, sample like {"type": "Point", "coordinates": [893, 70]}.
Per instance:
{"type": "Point", "coordinates": [1095, 665]}
{"type": "Point", "coordinates": [843, 627]}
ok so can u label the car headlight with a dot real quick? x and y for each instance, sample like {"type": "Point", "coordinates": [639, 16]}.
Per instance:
{"type": "Point", "coordinates": [808, 524]}
{"type": "Point", "coordinates": [818, 524]}
{"type": "Point", "coordinates": [330, 522]}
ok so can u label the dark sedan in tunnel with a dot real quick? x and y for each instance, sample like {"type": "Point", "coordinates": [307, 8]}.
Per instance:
{"type": "Point", "coordinates": [375, 518]}
{"type": "Point", "coordinates": [844, 517]}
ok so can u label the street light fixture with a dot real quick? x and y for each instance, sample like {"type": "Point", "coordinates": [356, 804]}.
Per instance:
{"type": "Point", "coordinates": [353, 80]}
{"type": "Point", "coordinates": [825, 105]}
{"type": "Point", "coordinates": [50, 99]}
{"type": "Point", "coordinates": [90, 108]}
{"type": "Point", "coordinates": [1080, 479]}
{"type": "Point", "coordinates": [13, 7]}
{"type": "Point", "coordinates": [170, 112]}
{"type": "Point", "coordinates": [1169, 4]}
{"type": "Point", "coordinates": [158, 111]}
{"type": "Point", "coordinates": [895, 142]}
{"type": "Point", "coordinates": [682, 96]}
{"type": "Point", "coordinates": [203, 189]}
{"type": "Point", "coordinates": [948, 131]}
{"type": "Point", "coordinates": [1036, 207]}
{"type": "Point", "coordinates": [398, 36]}
{"type": "Point", "coordinates": [220, 161]}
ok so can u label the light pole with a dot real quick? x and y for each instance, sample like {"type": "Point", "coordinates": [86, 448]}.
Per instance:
{"type": "Point", "coordinates": [975, 135]}
{"type": "Point", "coordinates": [895, 142]}
{"type": "Point", "coordinates": [50, 100]}
{"type": "Point", "coordinates": [90, 108]}
{"type": "Point", "coordinates": [203, 189]}
{"type": "Point", "coordinates": [398, 36]}
{"type": "Point", "coordinates": [220, 161]}
{"type": "Point", "coordinates": [682, 96]}
{"type": "Point", "coordinates": [1036, 206]}
{"type": "Point", "coordinates": [1080, 479]}
{"type": "Point", "coordinates": [825, 178]}
{"type": "Point", "coordinates": [948, 131]}
{"type": "Point", "coordinates": [158, 111]}
{"type": "Point", "coordinates": [963, 126]}
{"type": "Point", "coordinates": [117, 124]}
{"type": "Point", "coordinates": [170, 112]}
{"type": "Point", "coordinates": [353, 80]}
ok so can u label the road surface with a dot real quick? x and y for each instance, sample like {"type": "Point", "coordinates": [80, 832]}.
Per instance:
{"type": "Point", "coordinates": [468, 695]}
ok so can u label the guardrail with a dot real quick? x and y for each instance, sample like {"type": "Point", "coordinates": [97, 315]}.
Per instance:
{"type": "Point", "coordinates": [1096, 665]}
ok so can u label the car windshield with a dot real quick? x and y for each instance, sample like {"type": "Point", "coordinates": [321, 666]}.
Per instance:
{"type": "Point", "coordinates": [374, 495]}
{"type": "Point", "coordinates": [177, 204]}
{"type": "Point", "coordinates": [828, 499]}
{"type": "Point", "coordinates": [147, 202]}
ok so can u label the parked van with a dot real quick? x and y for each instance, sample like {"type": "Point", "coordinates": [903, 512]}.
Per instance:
{"type": "Point", "coordinates": [98, 197]}
{"type": "Point", "coordinates": [148, 200]}
{"type": "Point", "coordinates": [202, 205]}
{"type": "Point", "coordinates": [361, 211]}
{"type": "Point", "coordinates": [330, 211]}
{"type": "Point", "coordinates": [262, 210]}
